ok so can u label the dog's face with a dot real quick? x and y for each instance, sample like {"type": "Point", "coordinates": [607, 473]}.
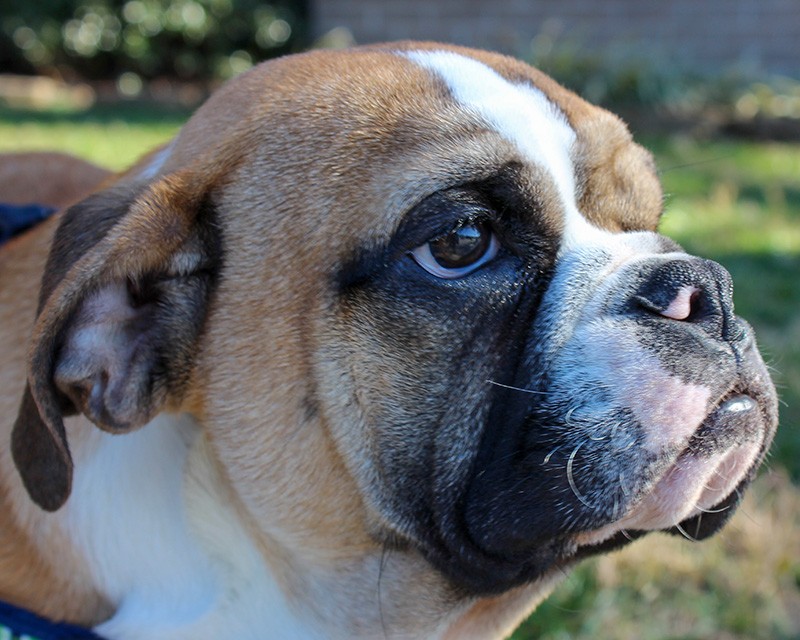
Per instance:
{"type": "Point", "coordinates": [415, 297]}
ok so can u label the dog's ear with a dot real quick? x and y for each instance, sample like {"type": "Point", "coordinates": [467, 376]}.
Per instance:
{"type": "Point", "coordinates": [122, 302]}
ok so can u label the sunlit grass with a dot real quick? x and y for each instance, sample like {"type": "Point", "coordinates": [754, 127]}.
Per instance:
{"type": "Point", "coordinates": [106, 145]}
{"type": "Point", "coordinates": [732, 197]}
{"type": "Point", "coordinates": [114, 138]}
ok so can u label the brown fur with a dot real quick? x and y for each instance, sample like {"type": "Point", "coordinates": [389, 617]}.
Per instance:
{"type": "Point", "coordinates": [52, 179]}
{"type": "Point", "coordinates": [52, 582]}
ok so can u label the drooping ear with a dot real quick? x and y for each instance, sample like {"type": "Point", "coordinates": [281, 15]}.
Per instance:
{"type": "Point", "coordinates": [122, 302]}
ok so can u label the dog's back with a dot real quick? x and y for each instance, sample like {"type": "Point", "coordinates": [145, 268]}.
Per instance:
{"type": "Point", "coordinates": [51, 179]}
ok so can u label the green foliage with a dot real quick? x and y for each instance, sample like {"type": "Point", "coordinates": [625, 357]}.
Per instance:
{"type": "Point", "coordinates": [617, 75]}
{"type": "Point", "coordinates": [625, 75]}
{"type": "Point", "coordinates": [189, 39]}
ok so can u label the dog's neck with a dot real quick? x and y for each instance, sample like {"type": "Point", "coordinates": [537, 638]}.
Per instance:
{"type": "Point", "coordinates": [163, 542]}
{"type": "Point", "coordinates": [169, 554]}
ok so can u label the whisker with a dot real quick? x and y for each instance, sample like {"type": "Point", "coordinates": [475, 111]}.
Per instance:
{"type": "Point", "coordinates": [508, 386]}
{"type": "Point", "coordinates": [628, 446]}
{"type": "Point", "coordinates": [627, 535]}
{"type": "Point", "coordinates": [720, 510]}
{"type": "Point", "coordinates": [684, 533]}
{"type": "Point", "coordinates": [381, 567]}
{"type": "Point", "coordinates": [549, 455]}
{"type": "Point", "coordinates": [743, 509]}
{"type": "Point", "coordinates": [625, 491]}
{"type": "Point", "coordinates": [696, 163]}
{"type": "Point", "coordinates": [571, 478]}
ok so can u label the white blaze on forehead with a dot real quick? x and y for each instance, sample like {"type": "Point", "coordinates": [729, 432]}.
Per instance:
{"type": "Point", "coordinates": [527, 118]}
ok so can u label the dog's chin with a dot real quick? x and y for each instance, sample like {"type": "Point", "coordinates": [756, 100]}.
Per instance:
{"type": "Point", "coordinates": [700, 491]}
{"type": "Point", "coordinates": [694, 497]}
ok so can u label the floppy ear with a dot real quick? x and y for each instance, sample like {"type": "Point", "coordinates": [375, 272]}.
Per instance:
{"type": "Point", "coordinates": [122, 302]}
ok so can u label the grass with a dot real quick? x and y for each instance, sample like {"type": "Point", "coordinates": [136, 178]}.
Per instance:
{"type": "Point", "coordinates": [735, 202]}
{"type": "Point", "coordinates": [110, 136]}
{"type": "Point", "coordinates": [739, 203]}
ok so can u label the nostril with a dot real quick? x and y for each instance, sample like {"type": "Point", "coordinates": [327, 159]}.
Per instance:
{"type": "Point", "coordinates": [684, 305]}
{"type": "Point", "coordinates": [691, 291]}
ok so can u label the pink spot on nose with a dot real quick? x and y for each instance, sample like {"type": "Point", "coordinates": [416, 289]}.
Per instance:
{"type": "Point", "coordinates": [681, 306]}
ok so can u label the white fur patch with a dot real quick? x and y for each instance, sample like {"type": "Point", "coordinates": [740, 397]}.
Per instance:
{"type": "Point", "coordinates": [165, 547]}
{"type": "Point", "coordinates": [526, 117]}
{"type": "Point", "coordinates": [128, 515]}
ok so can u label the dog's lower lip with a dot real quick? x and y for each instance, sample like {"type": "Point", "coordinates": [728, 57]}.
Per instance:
{"type": "Point", "coordinates": [731, 416]}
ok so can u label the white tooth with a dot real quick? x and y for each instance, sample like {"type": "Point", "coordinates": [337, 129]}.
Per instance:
{"type": "Point", "coordinates": [738, 404]}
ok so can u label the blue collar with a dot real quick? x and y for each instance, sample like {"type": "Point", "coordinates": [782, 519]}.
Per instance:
{"type": "Point", "coordinates": [19, 624]}
{"type": "Point", "coordinates": [16, 218]}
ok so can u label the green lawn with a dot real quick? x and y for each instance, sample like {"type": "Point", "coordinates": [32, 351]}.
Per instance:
{"type": "Point", "coordinates": [739, 203]}
{"type": "Point", "coordinates": [735, 202]}
{"type": "Point", "coordinates": [111, 136]}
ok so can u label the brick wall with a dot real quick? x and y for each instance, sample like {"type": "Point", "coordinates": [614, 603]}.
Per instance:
{"type": "Point", "coordinates": [711, 34]}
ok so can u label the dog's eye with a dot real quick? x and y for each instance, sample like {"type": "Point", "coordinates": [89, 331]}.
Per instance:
{"type": "Point", "coordinates": [459, 252]}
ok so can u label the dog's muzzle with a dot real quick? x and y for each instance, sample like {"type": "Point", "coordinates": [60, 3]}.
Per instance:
{"type": "Point", "coordinates": [641, 404]}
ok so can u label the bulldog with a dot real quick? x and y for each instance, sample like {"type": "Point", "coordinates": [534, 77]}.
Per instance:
{"type": "Point", "coordinates": [379, 346]}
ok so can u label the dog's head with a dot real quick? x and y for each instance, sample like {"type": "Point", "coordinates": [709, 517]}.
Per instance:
{"type": "Point", "coordinates": [416, 295]}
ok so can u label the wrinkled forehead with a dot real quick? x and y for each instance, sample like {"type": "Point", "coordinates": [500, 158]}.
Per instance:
{"type": "Point", "coordinates": [376, 130]}
{"type": "Point", "coordinates": [603, 182]}
{"type": "Point", "coordinates": [522, 114]}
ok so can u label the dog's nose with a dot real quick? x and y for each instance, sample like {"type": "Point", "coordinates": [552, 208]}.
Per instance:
{"type": "Point", "coordinates": [692, 290]}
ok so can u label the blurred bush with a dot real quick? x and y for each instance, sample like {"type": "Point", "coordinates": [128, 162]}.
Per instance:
{"type": "Point", "coordinates": [142, 39]}
{"type": "Point", "coordinates": [628, 76]}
